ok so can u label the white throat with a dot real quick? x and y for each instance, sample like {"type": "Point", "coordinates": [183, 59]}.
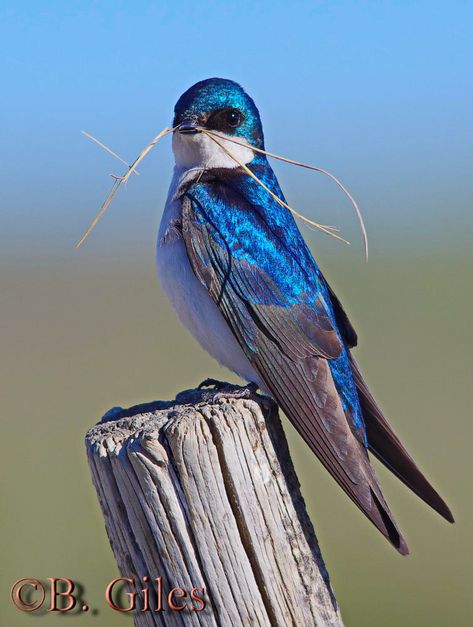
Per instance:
{"type": "Point", "coordinates": [200, 151]}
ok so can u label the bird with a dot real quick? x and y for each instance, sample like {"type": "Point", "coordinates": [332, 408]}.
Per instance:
{"type": "Point", "coordinates": [235, 267]}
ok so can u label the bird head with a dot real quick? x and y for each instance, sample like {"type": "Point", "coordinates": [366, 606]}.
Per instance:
{"type": "Point", "coordinates": [224, 109]}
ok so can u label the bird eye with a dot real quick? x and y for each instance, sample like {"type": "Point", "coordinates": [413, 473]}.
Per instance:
{"type": "Point", "coordinates": [233, 118]}
{"type": "Point", "coordinates": [225, 119]}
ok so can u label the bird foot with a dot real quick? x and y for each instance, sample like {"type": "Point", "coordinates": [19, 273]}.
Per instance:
{"type": "Point", "coordinates": [214, 383]}
{"type": "Point", "coordinates": [228, 390]}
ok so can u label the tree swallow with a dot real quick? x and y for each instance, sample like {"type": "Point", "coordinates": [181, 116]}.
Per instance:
{"type": "Point", "coordinates": [235, 267]}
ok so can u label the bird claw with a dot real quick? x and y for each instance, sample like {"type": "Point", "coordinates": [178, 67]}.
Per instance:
{"type": "Point", "coordinates": [215, 383]}
{"type": "Point", "coordinates": [228, 390]}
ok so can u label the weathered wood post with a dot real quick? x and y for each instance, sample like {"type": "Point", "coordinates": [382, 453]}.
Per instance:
{"type": "Point", "coordinates": [201, 492]}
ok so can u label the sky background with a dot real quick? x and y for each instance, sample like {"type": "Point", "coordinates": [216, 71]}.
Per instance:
{"type": "Point", "coordinates": [380, 93]}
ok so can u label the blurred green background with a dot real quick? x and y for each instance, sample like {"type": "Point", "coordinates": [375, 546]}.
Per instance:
{"type": "Point", "coordinates": [381, 94]}
{"type": "Point", "coordinates": [80, 337]}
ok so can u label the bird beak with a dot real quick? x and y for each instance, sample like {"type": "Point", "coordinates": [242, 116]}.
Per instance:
{"type": "Point", "coordinates": [188, 127]}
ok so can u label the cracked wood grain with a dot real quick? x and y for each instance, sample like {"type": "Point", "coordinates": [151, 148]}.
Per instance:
{"type": "Point", "coordinates": [201, 492]}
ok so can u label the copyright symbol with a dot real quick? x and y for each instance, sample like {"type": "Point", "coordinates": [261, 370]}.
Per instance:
{"type": "Point", "coordinates": [22, 595]}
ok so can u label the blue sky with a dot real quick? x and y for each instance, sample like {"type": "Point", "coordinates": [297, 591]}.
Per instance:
{"type": "Point", "coordinates": [378, 92]}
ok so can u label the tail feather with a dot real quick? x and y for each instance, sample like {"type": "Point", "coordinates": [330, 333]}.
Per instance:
{"type": "Point", "coordinates": [386, 446]}
{"type": "Point", "coordinates": [377, 509]}
{"type": "Point", "coordinates": [383, 519]}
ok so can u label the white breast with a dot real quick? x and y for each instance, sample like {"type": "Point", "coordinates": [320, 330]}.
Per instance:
{"type": "Point", "coordinates": [190, 298]}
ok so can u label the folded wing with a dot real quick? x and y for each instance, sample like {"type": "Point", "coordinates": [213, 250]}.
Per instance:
{"type": "Point", "coordinates": [283, 320]}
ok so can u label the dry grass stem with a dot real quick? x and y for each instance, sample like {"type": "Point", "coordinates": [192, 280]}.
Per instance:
{"type": "Point", "coordinates": [109, 150]}
{"type": "Point", "coordinates": [321, 227]}
{"type": "Point", "coordinates": [315, 169]}
{"type": "Point", "coordinates": [120, 180]}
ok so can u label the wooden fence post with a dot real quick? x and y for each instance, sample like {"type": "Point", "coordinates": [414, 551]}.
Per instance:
{"type": "Point", "coordinates": [201, 492]}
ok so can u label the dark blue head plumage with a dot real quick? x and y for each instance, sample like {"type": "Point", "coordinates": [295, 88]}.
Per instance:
{"type": "Point", "coordinates": [221, 105]}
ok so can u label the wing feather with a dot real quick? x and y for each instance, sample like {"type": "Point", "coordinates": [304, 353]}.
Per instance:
{"type": "Point", "coordinates": [288, 340]}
